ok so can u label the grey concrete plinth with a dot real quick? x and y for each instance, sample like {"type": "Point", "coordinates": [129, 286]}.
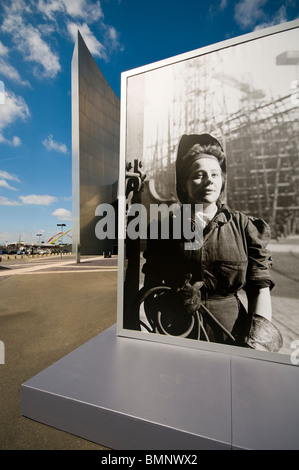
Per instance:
{"type": "Point", "coordinates": [265, 405]}
{"type": "Point", "coordinates": [128, 394]}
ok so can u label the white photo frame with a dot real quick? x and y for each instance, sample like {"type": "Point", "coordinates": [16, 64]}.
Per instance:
{"type": "Point", "coordinates": [196, 92]}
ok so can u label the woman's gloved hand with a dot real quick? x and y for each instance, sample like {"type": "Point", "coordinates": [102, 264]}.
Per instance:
{"type": "Point", "coordinates": [190, 294]}
{"type": "Point", "coordinates": [263, 335]}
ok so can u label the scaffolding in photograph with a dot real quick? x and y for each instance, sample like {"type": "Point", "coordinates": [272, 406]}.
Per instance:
{"type": "Point", "coordinates": [260, 138]}
{"type": "Point", "coordinates": [262, 145]}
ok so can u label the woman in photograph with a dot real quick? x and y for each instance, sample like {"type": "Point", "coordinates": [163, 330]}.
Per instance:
{"type": "Point", "coordinates": [198, 291]}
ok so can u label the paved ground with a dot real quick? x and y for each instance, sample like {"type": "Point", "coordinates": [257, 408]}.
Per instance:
{"type": "Point", "coordinates": [49, 307]}
{"type": "Point", "coordinates": [285, 295]}
{"type": "Point", "coordinates": [46, 311]}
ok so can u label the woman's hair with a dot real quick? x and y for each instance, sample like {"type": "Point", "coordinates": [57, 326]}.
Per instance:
{"type": "Point", "coordinates": [209, 149]}
{"type": "Point", "coordinates": [189, 150]}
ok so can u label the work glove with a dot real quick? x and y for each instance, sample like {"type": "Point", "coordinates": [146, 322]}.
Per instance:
{"type": "Point", "coordinates": [263, 335]}
{"type": "Point", "coordinates": [190, 294]}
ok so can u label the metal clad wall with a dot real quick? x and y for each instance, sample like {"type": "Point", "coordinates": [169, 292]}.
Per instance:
{"type": "Point", "coordinates": [95, 128]}
{"type": "Point", "coordinates": [75, 150]}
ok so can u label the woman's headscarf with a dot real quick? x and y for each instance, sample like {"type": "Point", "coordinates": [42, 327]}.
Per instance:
{"type": "Point", "coordinates": [190, 148]}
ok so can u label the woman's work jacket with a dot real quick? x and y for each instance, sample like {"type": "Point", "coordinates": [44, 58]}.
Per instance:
{"type": "Point", "coordinates": [231, 257]}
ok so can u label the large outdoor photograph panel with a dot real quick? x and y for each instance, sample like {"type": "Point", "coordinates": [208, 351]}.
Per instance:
{"type": "Point", "coordinates": [245, 93]}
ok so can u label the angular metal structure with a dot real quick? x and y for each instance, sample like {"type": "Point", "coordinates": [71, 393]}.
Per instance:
{"type": "Point", "coordinates": [95, 149]}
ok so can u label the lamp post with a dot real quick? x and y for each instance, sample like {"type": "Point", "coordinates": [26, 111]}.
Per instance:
{"type": "Point", "coordinates": [39, 235]}
{"type": "Point", "coordinates": [61, 225]}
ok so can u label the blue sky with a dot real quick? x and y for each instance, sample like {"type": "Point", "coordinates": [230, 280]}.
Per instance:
{"type": "Point", "coordinates": [36, 46]}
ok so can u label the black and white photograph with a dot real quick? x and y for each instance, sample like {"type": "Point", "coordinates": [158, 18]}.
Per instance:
{"type": "Point", "coordinates": [211, 202]}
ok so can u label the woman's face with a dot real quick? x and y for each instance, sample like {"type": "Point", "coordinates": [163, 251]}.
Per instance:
{"type": "Point", "coordinates": [204, 181]}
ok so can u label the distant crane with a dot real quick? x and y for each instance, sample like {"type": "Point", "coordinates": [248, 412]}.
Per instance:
{"type": "Point", "coordinates": [244, 87]}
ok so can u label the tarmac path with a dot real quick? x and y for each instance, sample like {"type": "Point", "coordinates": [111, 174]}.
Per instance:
{"type": "Point", "coordinates": [285, 295]}
{"type": "Point", "coordinates": [50, 306]}
{"type": "Point", "coordinates": [17, 266]}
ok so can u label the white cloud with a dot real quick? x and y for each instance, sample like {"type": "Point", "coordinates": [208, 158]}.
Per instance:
{"type": "Point", "coordinates": [32, 199]}
{"type": "Point", "coordinates": [8, 70]}
{"type": "Point", "coordinates": [8, 176]}
{"type": "Point", "coordinates": [89, 11]}
{"type": "Point", "coordinates": [3, 49]}
{"type": "Point", "coordinates": [279, 17]}
{"type": "Point", "coordinates": [2, 93]}
{"type": "Point", "coordinates": [95, 47]}
{"type": "Point", "coordinates": [86, 10]}
{"type": "Point", "coordinates": [18, 6]}
{"type": "Point", "coordinates": [4, 201]}
{"type": "Point", "coordinates": [50, 144]}
{"type": "Point", "coordinates": [223, 4]}
{"type": "Point", "coordinates": [215, 9]}
{"type": "Point", "coordinates": [13, 109]}
{"type": "Point", "coordinates": [11, 72]}
{"type": "Point", "coordinates": [33, 40]}
{"type": "Point", "coordinates": [249, 12]}
{"type": "Point", "coordinates": [29, 42]}
{"type": "Point", "coordinates": [37, 50]}
{"type": "Point", "coordinates": [16, 141]}
{"type": "Point", "coordinates": [112, 38]}
{"type": "Point", "coordinates": [62, 214]}
{"type": "Point", "coordinates": [50, 8]}
{"type": "Point", "coordinates": [4, 184]}
{"type": "Point", "coordinates": [41, 200]}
